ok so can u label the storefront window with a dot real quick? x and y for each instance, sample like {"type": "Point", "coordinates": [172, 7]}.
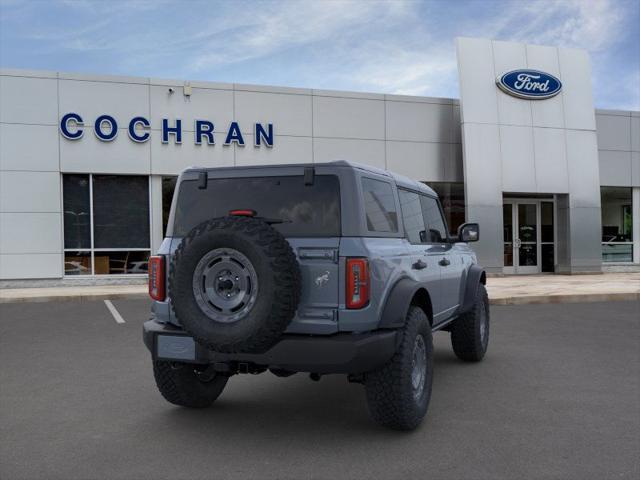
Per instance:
{"type": "Point", "coordinates": [168, 187]}
{"type": "Point", "coordinates": [452, 199]}
{"type": "Point", "coordinates": [106, 224]}
{"type": "Point", "coordinates": [617, 224]}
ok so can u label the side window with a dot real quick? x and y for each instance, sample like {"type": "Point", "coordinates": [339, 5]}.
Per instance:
{"type": "Point", "coordinates": [436, 231]}
{"type": "Point", "coordinates": [380, 207]}
{"type": "Point", "coordinates": [412, 216]}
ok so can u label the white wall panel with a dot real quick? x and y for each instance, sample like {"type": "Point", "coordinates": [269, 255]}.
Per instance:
{"type": "Point", "coordinates": [24, 266]}
{"type": "Point", "coordinates": [421, 161]}
{"type": "Point", "coordinates": [582, 161]}
{"type": "Point", "coordinates": [482, 164]}
{"type": "Point", "coordinates": [28, 100]}
{"type": "Point", "coordinates": [419, 122]}
{"type": "Point", "coordinates": [171, 159]}
{"type": "Point", "coordinates": [286, 150]}
{"type": "Point", "coordinates": [29, 192]}
{"type": "Point", "coordinates": [477, 80]}
{"type": "Point", "coordinates": [123, 101]}
{"type": "Point", "coordinates": [29, 147]}
{"type": "Point", "coordinates": [121, 155]}
{"type": "Point", "coordinates": [615, 168]}
{"type": "Point", "coordinates": [370, 152]}
{"type": "Point", "coordinates": [348, 118]}
{"type": "Point", "coordinates": [30, 233]}
{"type": "Point", "coordinates": [203, 104]}
{"type": "Point", "coordinates": [551, 160]}
{"type": "Point", "coordinates": [454, 169]}
{"type": "Point", "coordinates": [518, 164]}
{"type": "Point", "coordinates": [577, 93]}
{"type": "Point", "coordinates": [635, 134]}
{"type": "Point", "coordinates": [614, 132]}
{"type": "Point", "coordinates": [550, 112]}
{"type": "Point", "coordinates": [290, 114]}
{"type": "Point", "coordinates": [635, 169]}
{"type": "Point", "coordinates": [509, 56]}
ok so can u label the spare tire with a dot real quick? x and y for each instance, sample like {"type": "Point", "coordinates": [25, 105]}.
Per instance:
{"type": "Point", "coordinates": [235, 284]}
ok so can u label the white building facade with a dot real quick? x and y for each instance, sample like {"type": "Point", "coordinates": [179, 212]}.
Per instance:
{"type": "Point", "coordinates": [88, 163]}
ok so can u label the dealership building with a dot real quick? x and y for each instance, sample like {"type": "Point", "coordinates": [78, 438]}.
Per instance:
{"type": "Point", "coordinates": [88, 163]}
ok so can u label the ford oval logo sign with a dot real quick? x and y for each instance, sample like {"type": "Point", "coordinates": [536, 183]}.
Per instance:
{"type": "Point", "coordinates": [529, 84]}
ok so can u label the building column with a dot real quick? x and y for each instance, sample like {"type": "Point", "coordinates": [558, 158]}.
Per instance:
{"type": "Point", "coordinates": [157, 235]}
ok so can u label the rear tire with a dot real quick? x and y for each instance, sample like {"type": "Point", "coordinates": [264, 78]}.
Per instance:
{"type": "Point", "coordinates": [180, 384]}
{"type": "Point", "coordinates": [398, 394]}
{"type": "Point", "coordinates": [470, 331]}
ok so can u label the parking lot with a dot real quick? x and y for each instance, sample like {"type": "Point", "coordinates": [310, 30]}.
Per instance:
{"type": "Point", "coordinates": [558, 396]}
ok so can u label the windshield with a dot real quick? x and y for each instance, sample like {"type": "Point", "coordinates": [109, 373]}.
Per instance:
{"type": "Point", "coordinates": [306, 210]}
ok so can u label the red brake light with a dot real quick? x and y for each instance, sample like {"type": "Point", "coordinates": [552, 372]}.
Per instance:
{"type": "Point", "coordinates": [357, 282]}
{"type": "Point", "coordinates": [242, 213]}
{"type": "Point", "coordinates": [156, 278]}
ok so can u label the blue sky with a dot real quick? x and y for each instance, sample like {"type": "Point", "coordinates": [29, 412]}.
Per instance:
{"type": "Point", "coordinates": [400, 46]}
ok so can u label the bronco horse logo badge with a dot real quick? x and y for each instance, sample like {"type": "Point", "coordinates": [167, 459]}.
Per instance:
{"type": "Point", "coordinates": [529, 84]}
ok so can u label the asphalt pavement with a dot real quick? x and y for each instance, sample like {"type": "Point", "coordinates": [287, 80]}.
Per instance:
{"type": "Point", "coordinates": [557, 396]}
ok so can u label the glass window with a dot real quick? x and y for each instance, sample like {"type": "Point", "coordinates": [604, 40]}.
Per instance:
{"type": "Point", "coordinates": [168, 187]}
{"type": "Point", "coordinates": [120, 211]}
{"type": "Point", "coordinates": [380, 206]}
{"type": "Point", "coordinates": [305, 210]}
{"type": "Point", "coordinates": [412, 216]}
{"type": "Point", "coordinates": [451, 196]}
{"type": "Point", "coordinates": [117, 208]}
{"type": "Point", "coordinates": [77, 216]}
{"type": "Point", "coordinates": [617, 224]}
{"type": "Point", "coordinates": [437, 233]}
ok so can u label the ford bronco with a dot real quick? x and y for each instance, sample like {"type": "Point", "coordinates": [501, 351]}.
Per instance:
{"type": "Point", "coordinates": [334, 268]}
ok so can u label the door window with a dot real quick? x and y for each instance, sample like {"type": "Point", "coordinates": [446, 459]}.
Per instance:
{"type": "Point", "coordinates": [436, 230]}
{"type": "Point", "coordinates": [412, 216]}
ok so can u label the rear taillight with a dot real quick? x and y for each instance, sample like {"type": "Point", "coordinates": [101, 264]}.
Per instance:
{"type": "Point", "coordinates": [357, 282]}
{"type": "Point", "coordinates": [156, 278]}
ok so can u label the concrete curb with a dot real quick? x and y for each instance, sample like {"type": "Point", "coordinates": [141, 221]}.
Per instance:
{"type": "Point", "coordinates": [566, 298]}
{"type": "Point", "coordinates": [511, 300]}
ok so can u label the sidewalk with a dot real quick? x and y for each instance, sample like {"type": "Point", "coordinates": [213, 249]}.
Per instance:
{"type": "Point", "coordinates": [512, 290]}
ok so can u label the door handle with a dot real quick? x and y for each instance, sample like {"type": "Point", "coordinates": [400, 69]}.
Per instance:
{"type": "Point", "coordinates": [444, 262]}
{"type": "Point", "coordinates": [419, 265]}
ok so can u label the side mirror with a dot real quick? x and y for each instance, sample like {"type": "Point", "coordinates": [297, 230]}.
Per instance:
{"type": "Point", "coordinates": [469, 232]}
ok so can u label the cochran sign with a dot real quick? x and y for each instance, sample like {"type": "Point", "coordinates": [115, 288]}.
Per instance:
{"type": "Point", "coordinates": [529, 84]}
{"type": "Point", "coordinates": [105, 128]}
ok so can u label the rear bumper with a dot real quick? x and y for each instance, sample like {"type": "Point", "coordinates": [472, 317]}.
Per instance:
{"type": "Point", "coordinates": [339, 353]}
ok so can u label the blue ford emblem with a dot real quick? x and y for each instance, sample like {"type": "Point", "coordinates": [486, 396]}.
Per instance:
{"type": "Point", "coordinates": [529, 84]}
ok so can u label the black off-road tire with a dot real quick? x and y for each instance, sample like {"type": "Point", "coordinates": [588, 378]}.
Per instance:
{"type": "Point", "coordinates": [468, 339]}
{"type": "Point", "coordinates": [181, 385]}
{"type": "Point", "coordinates": [278, 291]}
{"type": "Point", "coordinates": [390, 393]}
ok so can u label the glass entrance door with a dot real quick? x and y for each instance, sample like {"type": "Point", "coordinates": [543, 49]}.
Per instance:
{"type": "Point", "coordinates": [528, 236]}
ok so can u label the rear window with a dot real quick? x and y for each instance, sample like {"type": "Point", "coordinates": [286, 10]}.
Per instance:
{"type": "Point", "coordinates": [380, 206]}
{"type": "Point", "coordinates": [307, 210]}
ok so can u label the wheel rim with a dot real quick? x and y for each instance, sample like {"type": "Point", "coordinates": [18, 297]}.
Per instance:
{"type": "Point", "coordinates": [419, 367]}
{"type": "Point", "coordinates": [225, 285]}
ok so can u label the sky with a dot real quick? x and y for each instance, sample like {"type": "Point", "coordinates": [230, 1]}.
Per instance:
{"type": "Point", "coordinates": [403, 47]}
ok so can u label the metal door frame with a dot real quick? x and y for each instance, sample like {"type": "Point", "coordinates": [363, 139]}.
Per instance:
{"type": "Point", "coordinates": [516, 268]}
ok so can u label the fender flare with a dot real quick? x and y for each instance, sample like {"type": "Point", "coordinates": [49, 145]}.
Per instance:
{"type": "Point", "coordinates": [475, 276]}
{"type": "Point", "coordinates": [396, 307]}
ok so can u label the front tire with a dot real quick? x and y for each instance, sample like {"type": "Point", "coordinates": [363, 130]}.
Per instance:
{"type": "Point", "coordinates": [183, 385]}
{"type": "Point", "coordinates": [470, 332]}
{"type": "Point", "coordinates": [398, 394]}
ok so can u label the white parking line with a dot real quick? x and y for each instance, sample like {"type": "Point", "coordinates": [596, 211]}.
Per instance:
{"type": "Point", "coordinates": [118, 318]}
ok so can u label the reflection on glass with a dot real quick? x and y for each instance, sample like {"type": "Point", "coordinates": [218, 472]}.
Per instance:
{"type": "Point", "coordinates": [617, 224]}
{"type": "Point", "coordinates": [547, 257]}
{"type": "Point", "coordinates": [528, 255]}
{"type": "Point", "coordinates": [508, 222]}
{"type": "Point", "coordinates": [508, 255]}
{"type": "Point", "coordinates": [451, 196]}
{"type": "Point", "coordinates": [120, 262]}
{"type": "Point", "coordinates": [77, 218]}
{"type": "Point", "coordinates": [77, 263]}
{"type": "Point", "coordinates": [546, 227]}
{"type": "Point", "coordinates": [527, 222]}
